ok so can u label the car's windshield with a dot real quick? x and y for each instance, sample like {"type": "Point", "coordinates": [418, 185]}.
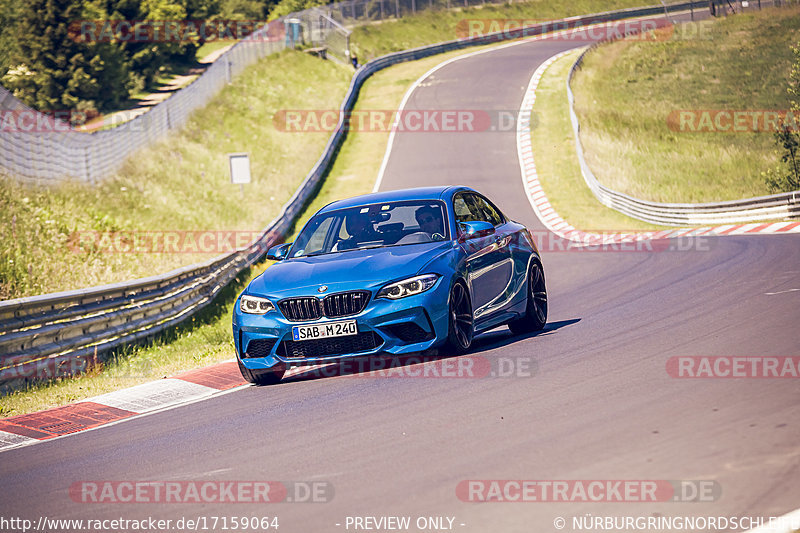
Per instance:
{"type": "Point", "coordinates": [373, 226]}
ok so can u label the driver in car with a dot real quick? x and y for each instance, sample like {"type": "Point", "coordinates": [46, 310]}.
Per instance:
{"type": "Point", "coordinates": [360, 229]}
{"type": "Point", "coordinates": [430, 221]}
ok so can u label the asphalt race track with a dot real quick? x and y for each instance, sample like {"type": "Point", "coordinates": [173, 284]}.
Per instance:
{"type": "Point", "coordinates": [597, 403]}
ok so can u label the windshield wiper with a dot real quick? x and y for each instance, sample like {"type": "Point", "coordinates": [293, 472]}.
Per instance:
{"type": "Point", "coordinates": [362, 248]}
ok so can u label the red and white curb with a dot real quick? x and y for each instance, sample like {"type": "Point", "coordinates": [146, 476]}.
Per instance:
{"type": "Point", "coordinates": [98, 411]}
{"type": "Point", "coordinates": [553, 222]}
{"type": "Point", "coordinates": [187, 387]}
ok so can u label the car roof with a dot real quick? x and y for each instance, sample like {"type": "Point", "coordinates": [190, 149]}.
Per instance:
{"type": "Point", "coordinates": [420, 193]}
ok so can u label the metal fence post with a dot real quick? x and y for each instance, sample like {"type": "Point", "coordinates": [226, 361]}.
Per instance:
{"type": "Point", "coordinates": [87, 161]}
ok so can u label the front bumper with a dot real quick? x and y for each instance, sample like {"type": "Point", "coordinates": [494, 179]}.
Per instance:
{"type": "Point", "coordinates": [396, 327]}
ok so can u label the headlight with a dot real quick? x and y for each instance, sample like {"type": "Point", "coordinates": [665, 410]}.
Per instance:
{"type": "Point", "coordinates": [408, 287]}
{"type": "Point", "coordinates": [254, 305]}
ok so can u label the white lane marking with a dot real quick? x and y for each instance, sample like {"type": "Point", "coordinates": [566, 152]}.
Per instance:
{"type": "Point", "coordinates": [154, 395]}
{"type": "Point", "coordinates": [781, 292]}
{"type": "Point", "coordinates": [785, 524]}
{"type": "Point", "coordinates": [421, 79]}
{"type": "Point", "coordinates": [12, 440]}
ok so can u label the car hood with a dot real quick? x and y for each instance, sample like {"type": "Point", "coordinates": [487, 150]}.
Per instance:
{"type": "Point", "coordinates": [340, 271]}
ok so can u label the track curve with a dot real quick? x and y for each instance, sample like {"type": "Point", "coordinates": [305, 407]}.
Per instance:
{"type": "Point", "coordinates": [636, 310]}
{"type": "Point", "coordinates": [599, 406]}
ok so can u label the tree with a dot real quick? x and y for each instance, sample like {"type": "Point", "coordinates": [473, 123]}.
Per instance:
{"type": "Point", "coordinates": [52, 71]}
{"type": "Point", "coordinates": [244, 9]}
{"type": "Point", "coordinates": [284, 7]}
{"type": "Point", "coordinates": [785, 176]}
{"type": "Point", "coordinates": [9, 13]}
{"type": "Point", "coordinates": [42, 63]}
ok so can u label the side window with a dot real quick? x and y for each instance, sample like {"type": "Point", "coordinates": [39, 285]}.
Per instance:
{"type": "Point", "coordinates": [462, 210]}
{"type": "Point", "coordinates": [477, 209]}
{"type": "Point", "coordinates": [477, 212]}
{"type": "Point", "coordinates": [486, 211]}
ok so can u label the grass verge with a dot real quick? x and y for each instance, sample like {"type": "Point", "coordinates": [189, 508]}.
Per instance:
{"type": "Point", "coordinates": [553, 145]}
{"type": "Point", "coordinates": [627, 89]}
{"type": "Point", "coordinates": [178, 184]}
{"type": "Point", "coordinates": [434, 26]}
{"type": "Point", "coordinates": [206, 339]}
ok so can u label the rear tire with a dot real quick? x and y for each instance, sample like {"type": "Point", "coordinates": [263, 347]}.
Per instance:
{"type": "Point", "coordinates": [460, 324]}
{"type": "Point", "coordinates": [262, 377]}
{"type": "Point", "coordinates": [536, 311]}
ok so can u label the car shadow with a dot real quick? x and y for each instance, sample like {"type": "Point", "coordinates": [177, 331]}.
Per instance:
{"type": "Point", "coordinates": [502, 336]}
{"type": "Point", "coordinates": [397, 365]}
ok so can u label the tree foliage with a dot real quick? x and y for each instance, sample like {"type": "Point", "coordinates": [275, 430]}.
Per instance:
{"type": "Point", "coordinates": [284, 7]}
{"type": "Point", "coordinates": [47, 67]}
{"type": "Point", "coordinates": [785, 176]}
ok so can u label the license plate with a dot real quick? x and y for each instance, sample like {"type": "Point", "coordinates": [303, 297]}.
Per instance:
{"type": "Point", "coordinates": [324, 331]}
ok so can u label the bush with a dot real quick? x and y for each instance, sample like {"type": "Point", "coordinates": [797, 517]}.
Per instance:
{"type": "Point", "coordinates": [785, 176]}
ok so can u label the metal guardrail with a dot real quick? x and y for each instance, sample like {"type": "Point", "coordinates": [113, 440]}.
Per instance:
{"type": "Point", "coordinates": [776, 206]}
{"type": "Point", "coordinates": [63, 333]}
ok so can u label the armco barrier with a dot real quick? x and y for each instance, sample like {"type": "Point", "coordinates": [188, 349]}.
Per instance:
{"type": "Point", "coordinates": [40, 334]}
{"type": "Point", "coordinates": [776, 206]}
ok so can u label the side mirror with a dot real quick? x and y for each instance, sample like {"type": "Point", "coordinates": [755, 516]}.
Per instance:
{"type": "Point", "coordinates": [475, 229]}
{"type": "Point", "coordinates": [278, 253]}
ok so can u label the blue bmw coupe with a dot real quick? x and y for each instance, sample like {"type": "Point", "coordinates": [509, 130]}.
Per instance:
{"type": "Point", "coordinates": [392, 273]}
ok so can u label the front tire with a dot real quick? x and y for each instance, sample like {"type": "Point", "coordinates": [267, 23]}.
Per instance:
{"type": "Point", "coordinates": [262, 377]}
{"type": "Point", "coordinates": [460, 324]}
{"type": "Point", "coordinates": [536, 311]}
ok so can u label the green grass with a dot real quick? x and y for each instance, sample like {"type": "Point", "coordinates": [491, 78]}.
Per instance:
{"type": "Point", "coordinates": [433, 26]}
{"type": "Point", "coordinates": [211, 47]}
{"type": "Point", "coordinates": [179, 183]}
{"type": "Point", "coordinates": [553, 145]}
{"type": "Point", "coordinates": [190, 170]}
{"type": "Point", "coordinates": [206, 339]}
{"type": "Point", "coordinates": [626, 90]}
